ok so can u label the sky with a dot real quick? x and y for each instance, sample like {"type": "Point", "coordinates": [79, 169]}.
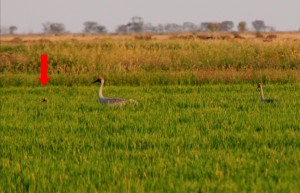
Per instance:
{"type": "Point", "coordinates": [28, 15]}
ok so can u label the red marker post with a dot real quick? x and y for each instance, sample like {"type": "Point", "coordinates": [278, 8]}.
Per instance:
{"type": "Point", "coordinates": [44, 70]}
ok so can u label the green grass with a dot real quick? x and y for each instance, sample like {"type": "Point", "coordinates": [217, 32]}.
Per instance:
{"type": "Point", "coordinates": [208, 138]}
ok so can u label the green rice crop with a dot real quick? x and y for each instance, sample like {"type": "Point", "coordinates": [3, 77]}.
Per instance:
{"type": "Point", "coordinates": [206, 138]}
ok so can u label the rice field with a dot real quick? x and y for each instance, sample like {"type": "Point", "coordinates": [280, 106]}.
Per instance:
{"type": "Point", "coordinates": [199, 125]}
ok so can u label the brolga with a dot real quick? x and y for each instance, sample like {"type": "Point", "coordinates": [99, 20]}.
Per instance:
{"type": "Point", "coordinates": [262, 98]}
{"type": "Point", "coordinates": [45, 100]}
{"type": "Point", "coordinates": [111, 101]}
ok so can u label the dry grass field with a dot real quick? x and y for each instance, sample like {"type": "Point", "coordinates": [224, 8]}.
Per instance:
{"type": "Point", "coordinates": [90, 37]}
{"type": "Point", "coordinates": [165, 59]}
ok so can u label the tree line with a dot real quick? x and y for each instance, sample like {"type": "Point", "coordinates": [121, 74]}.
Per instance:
{"type": "Point", "coordinates": [137, 25]}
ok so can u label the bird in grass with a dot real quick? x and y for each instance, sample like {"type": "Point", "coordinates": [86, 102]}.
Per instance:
{"type": "Point", "coordinates": [45, 100]}
{"type": "Point", "coordinates": [111, 101]}
{"type": "Point", "coordinates": [262, 98]}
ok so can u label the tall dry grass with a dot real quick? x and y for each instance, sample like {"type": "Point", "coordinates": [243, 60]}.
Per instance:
{"type": "Point", "coordinates": [169, 60]}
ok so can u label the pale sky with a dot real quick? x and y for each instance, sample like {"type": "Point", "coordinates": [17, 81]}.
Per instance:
{"type": "Point", "coordinates": [28, 15]}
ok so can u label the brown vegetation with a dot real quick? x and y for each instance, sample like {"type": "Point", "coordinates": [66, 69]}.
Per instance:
{"type": "Point", "coordinates": [204, 37]}
{"type": "Point", "coordinates": [143, 36]}
{"type": "Point", "coordinates": [147, 36]}
{"type": "Point", "coordinates": [237, 36]}
{"type": "Point", "coordinates": [16, 40]}
{"type": "Point", "coordinates": [270, 37]}
{"type": "Point", "coordinates": [259, 35]}
{"type": "Point", "coordinates": [187, 56]}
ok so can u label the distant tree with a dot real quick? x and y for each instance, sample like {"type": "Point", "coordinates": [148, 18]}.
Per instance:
{"type": "Point", "coordinates": [226, 26]}
{"type": "Point", "coordinates": [189, 27]}
{"type": "Point", "coordinates": [90, 26]}
{"type": "Point", "coordinates": [213, 26]}
{"type": "Point", "coordinates": [57, 28]}
{"type": "Point", "coordinates": [203, 26]}
{"type": "Point", "coordinates": [149, 28]}
{"type": "Point", "coordinates": [259, 25]}
{"type": "Point", "coordinates": [101, 29]}
{"type": "Point", "coordinates": [160, 29]}
{"type": "Point", "coordinates": [210, 26]}
{"type": "Point", "coordinates": [136, 24]}
{"type": "Point", "coordinates": [242, 26]}
{"type": "Point", "coordinates": [54, 28]}
{"type": "Point", "coordinates": [122, 29]}
{"type": "Point", "coordinates": [12, 29]}
{"type": "Point", "coordinates": [93, 27]}
{"type": "Point", "coordinates": [172, 27]}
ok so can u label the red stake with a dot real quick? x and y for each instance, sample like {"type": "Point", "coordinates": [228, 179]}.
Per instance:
{"type": "Point", "coordinates": [44, 69]}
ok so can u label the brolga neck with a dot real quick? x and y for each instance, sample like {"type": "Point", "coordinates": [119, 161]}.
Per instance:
{"type": "Point", "coordinates": [100, 89]}
{"type": "Point", "coordinates": [262, 98]}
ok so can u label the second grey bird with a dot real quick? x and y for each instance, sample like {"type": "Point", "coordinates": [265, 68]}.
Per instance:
{"type": "Point", "coordinates": [262, 98]}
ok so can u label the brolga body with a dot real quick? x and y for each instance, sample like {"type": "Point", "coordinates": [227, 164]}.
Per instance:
{"type": "Point", "coordinates": [262, 98]}
{"type": "Point", "coordinates": [110, 101]}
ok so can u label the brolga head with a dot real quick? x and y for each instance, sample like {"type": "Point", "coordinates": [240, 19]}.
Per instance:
{"type": "Point", "coordinates": [259, 85]}
{"type": "Point", "coordinates": [101, 79]}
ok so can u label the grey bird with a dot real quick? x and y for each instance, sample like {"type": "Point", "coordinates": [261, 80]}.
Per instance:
{"type": "Point", "coordinates": [262, 98]}
{"type": "Point", "coordinates": [45, 100]}
{"type": "Point", "coordinates": [111, 101]}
